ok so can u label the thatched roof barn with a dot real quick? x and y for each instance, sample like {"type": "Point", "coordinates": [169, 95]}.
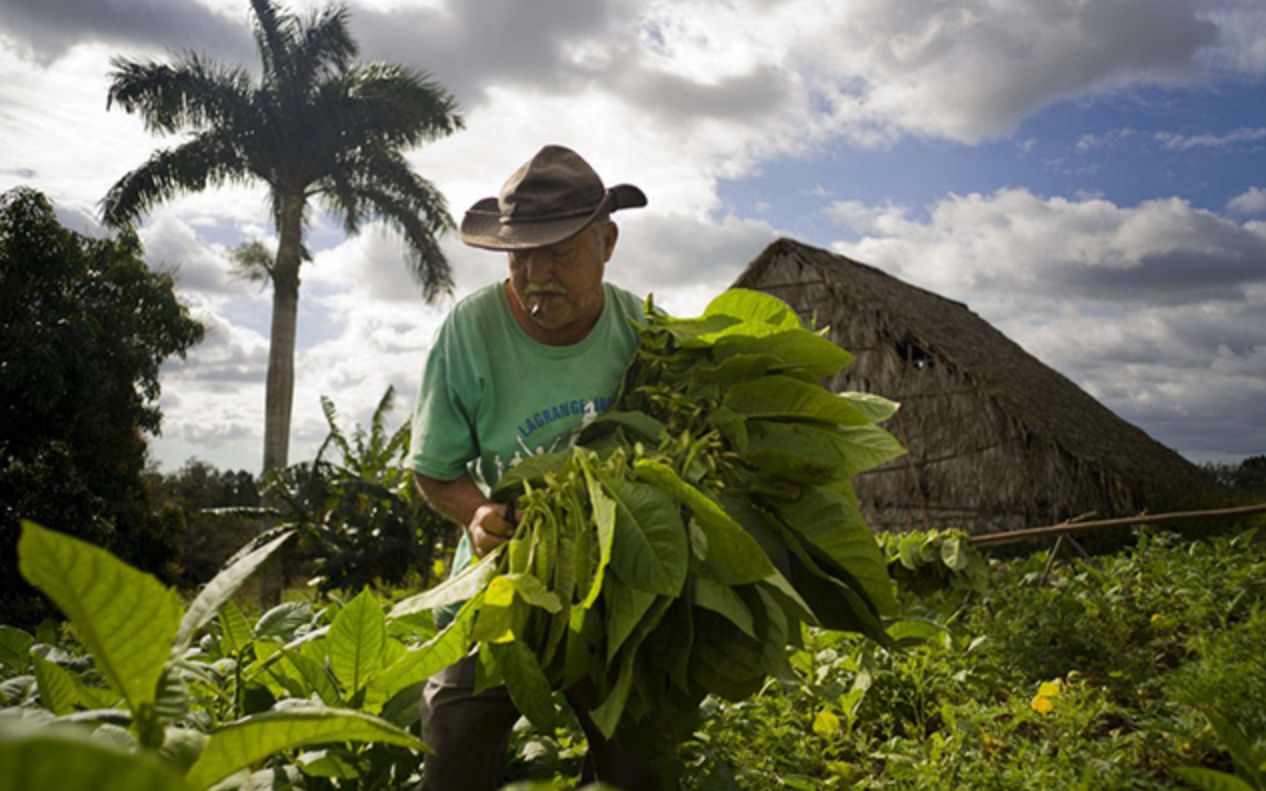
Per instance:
{"type": "Point", "coordinates": [996, 440]}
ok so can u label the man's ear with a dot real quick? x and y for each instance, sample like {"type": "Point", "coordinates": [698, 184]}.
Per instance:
{"type": "Point", "coordinates": [612, 236]}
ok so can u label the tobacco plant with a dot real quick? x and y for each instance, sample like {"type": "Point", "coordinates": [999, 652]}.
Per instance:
{"type": "Point", "coordinates": [153, 707]}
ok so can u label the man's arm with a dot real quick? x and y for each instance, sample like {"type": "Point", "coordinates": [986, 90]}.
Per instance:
{"type": "Point", "coordinates": [463, 502]}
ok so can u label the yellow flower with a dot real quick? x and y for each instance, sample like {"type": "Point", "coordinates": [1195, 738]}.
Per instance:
{"type": "Point", "coordinates": [1044, 701]}
{"type": "Point", "coordinates": [826, 723]}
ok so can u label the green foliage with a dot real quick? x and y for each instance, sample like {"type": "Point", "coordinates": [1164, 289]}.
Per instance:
{"type": "Point", "coordinates": [241, 744]}
{"type": "Point", "coordinates": [925, 562]}
{"type": "Point", "coordinates": [192, 715]}
{"type": "Point", "coordinates": [1248, 477]}
{"type": "Point", "coordinates": [195, 497]}
{"type": "Point", "coordinates": [360, 518]}
{"type": "Point", "coordinates": [1099, 679]}
{"type": "Point", "coordinates": [125, 618]}
{"type": "Point", "coordinates": [84, 328]}
{"type": "Point", "coordinates": [66, 758]}
{"type": "Point", "coordinates": [1249, 757]}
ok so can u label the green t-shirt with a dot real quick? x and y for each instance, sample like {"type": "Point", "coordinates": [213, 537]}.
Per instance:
{"type": "Point", "coordinates": [491, 395]}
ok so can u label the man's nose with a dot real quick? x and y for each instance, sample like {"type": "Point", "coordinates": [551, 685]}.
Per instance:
{"type": "Point", "coordinates": [538, 268]}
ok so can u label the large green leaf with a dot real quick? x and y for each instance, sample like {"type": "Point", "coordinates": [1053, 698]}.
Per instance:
{"type": "Point", "coordinates": [524, 586]}
{"type": "Point", "coordinates": [834, 603]}
{"type": "Point", "coordinates": [865, 447]}
{"type": "Point", "coordinates": [722, 600]}
{"type": "Point", "coordinates": [281, 622]}
{"type": "Point", "coordinates": [356, 642]}
{"type": "Point", "coordinates": [830, 521]}
{"type": "Point", "coordinates": [315, 677]}
{"type": "Point", "coordinates": [788, 398]}
{"type": "Point", "coordinates": [773, 628]}
{"type": "Point", "coordinates": [625, 607]}
{"type": "Point", "coordinates": [733, 555]}
{"type": "Point", "coordinates": [241, 744]}
{"type": "Point", "coordinates": [68, 759]}
{"type": "Point", "coordinates": [1211, 779]}
{"type": "Point", "coordinates": [876, 408]}
{"type": "Point", "coordinates": [526, 683]}
{"type": "Point", "coordinates": [460, 588]}
{"type": "Point", "coordinates": [124, 617]}
{"type": "Point", "coordinates": [800, 452]}
{"type": "Point", "coordinates": [15, 647]}
{"type": "Point", "coordinates": [739, 368]}
{"type": "Point", "coordinates": [638, 424]}
{"type": "Point", "coordinates": [1249, 757]}
{"type": "Point", "coordinates": [58, 692]}
{"type": "Point", "coordinates": [817, 454]}
{"type": "Point", "coordinates": [501, 622]}
{"type": "Point", "coordinates": [235, 632]}
{"type": "Point", "coordinates": [608, 713]}
{"type": "Point", "coordinates": [420, 663]}
{"type": "Point", "coordinates": [220, 589]}
{"type": "Point", "coordinates": [688, 332]}
{"type": "Point", "coordinates": [798, 351]}
{"type": "Point", "coordinates": [758, 312]}
{"type": "Point", "coordinates": [604, 518]}
{"type": "Point", "coordinates": [725, 662]}
{"type": "Point", "coordinates": [650, 550]}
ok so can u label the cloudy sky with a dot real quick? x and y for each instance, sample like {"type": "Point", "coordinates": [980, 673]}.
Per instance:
{"type": "Point", "coordinates": [1088, 175]}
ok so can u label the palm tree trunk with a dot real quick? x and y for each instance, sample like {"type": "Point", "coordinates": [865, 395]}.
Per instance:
{"type": "Point", "coordinates": [279, 391]}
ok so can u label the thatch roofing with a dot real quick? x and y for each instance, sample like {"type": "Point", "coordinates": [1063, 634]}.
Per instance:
{"type": "Point", "coordinates": [1041, 398]}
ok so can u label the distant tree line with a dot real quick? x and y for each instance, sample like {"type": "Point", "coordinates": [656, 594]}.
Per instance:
{"type": "Point", "coordinates": [1249, 476]}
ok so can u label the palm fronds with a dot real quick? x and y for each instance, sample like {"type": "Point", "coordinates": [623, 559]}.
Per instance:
{"type": "Point", "coordinates": [212, 157]}
{"type": "Point", "coordinates": [193, 93]}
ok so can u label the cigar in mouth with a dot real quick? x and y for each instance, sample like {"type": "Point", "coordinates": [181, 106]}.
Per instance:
{"type": "Point", "coordinates": [536, 297]}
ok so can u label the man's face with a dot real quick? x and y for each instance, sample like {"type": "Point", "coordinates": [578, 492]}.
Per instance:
{"type": "Point", "coordinates": [559, 288]}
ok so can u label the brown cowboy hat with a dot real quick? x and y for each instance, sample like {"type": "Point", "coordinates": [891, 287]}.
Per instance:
{"type": "Point", "coordinates": [549, 199]}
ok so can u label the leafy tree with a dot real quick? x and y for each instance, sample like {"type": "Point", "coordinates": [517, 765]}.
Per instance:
{"type": "Point", "coordinates": [84, 327]}
{"type": "Point", "coordinates": [317, 126]}
{"type": "Point", "coordinates": [1250, 475]}
{"type": "Point", "coordinates": [191, 497]}
{"type": "Point", "coordinates": [360, 518]}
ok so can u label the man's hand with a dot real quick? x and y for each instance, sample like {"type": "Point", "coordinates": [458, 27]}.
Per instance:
{"type": "Point", "coordinates": [489, 528]}
{"type": "Point", "coordinates": [486, 522]}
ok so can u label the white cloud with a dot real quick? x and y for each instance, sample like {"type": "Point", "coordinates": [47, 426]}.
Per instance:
{"type": "Point", "coordinates": [1090, 141]}
{"type": "Point", "coordinates": [1158, 309]}
{"type": "Point", "coordinates": [674, 97]}
{"type": "Point", "coordinates": [1250, 202]}
{"type": "Point", "coordinates": [1181, 142]}
{"type": "Point", "coordinates": [1241, 43]}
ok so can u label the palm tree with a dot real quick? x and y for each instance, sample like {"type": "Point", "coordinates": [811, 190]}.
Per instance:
{"type": "Point", "coordinates": [316, 126]}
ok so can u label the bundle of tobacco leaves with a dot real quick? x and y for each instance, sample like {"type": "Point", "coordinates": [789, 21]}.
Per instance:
{"type": "Point", "coordinates": [677, 548]}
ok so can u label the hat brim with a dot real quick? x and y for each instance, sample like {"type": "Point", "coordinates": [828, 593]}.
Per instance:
{"type": "Point", "coordinates": [482, 226]}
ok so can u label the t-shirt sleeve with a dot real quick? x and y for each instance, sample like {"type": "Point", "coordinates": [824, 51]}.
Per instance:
{"type": "Point", "coordinates": [443, 434]}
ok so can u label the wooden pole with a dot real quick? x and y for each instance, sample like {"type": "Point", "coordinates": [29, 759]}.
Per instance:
{"type": "Point", "coordinates": [991, 539]}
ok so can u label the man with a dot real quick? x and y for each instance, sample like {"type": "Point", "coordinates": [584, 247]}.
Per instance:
{"type": "Point", "coordinates": [516, 368]}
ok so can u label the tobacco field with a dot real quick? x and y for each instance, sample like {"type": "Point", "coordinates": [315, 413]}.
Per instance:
{"type": "Point", "coordinates": [700, 551]}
